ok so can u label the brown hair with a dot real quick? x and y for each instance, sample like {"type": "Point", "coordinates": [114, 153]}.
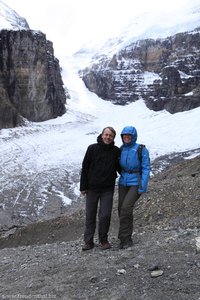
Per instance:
{"type": "Point", "coordinates": [111, 129]}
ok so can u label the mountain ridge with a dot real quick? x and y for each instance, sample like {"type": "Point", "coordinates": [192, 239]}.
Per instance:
{"type": "Point", "coordinates": [31, 85]}
{"type": "Point", "coordinates": [137, 29]}
{"type": "Point", "coordinates": [11, 20]}
{"type": "Point", "coordinates": [171, 65]}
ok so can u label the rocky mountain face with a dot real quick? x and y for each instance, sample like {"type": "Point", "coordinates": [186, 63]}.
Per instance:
{"type": "Point", "coordinates": [164, 72]}
{"type": "Point", "coordinates": [31, 85]}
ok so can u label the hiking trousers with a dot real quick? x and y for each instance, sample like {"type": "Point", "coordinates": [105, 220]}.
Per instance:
{"type": "Point", "coordinates": [128, 195]}
{"type": "Point", "coordinates": [103, 200]}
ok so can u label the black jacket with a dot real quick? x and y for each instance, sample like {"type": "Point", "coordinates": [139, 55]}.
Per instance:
{"type": "Point", "coordinates": [100, 166]}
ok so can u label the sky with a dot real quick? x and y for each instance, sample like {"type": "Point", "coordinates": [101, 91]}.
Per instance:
{"type": "Point", "coordinates": [40, 154]}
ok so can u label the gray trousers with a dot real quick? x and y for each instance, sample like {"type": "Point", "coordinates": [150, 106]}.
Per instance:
{"type": "Point", "coordinates": [105, 202]}
{"type": "Point", "coordinates": [128, 195]}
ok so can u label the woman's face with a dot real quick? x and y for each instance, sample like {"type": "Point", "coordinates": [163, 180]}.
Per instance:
{"type": "Point", "coordinates": [127, 138]}
{"type": "Point", "coordinates": [107, 136]}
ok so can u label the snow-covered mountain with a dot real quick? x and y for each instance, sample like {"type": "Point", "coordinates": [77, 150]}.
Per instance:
{"type": "Point", "coordinates": [40, 163]}
{"type": "Point", "coordinates": [9, 19]}
{"type": "Point", "coordinates": [146, 25]}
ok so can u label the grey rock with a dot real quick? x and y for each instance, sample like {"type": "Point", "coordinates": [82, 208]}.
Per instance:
{"type": "Point", "coordinates": [31, 86]}
{"type": "Point", "coordinates": [156, 273]}
{"type": "Point", "coordinates": [45, 259]}
{"type": "Point", "coordinates": [174, 61]}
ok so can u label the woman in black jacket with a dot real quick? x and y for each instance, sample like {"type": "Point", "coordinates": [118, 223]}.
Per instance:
{"type": "Point", "coordinates": [98, 175]}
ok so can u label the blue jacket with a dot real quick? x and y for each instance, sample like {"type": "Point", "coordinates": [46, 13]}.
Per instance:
{"type": "Point", "coordinates": [130, 164]}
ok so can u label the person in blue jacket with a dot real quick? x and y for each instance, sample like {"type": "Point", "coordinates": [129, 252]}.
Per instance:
{"type": "Point", "coordinates": [133, 182]}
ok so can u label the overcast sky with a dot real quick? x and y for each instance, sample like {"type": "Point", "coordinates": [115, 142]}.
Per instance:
{"type": "Point", "coordinates": [70, 23]}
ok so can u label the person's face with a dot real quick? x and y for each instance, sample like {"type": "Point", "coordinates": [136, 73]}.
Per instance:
{"type": "Point", "coordinates": [107, 136]}
{"type": "Point", "coordinates": [127, 138]}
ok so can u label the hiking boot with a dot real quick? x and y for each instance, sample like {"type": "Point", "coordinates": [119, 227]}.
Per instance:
{"type": "Point", "coordinates": [88, 246]}
{"type": "Point", "coordinates": [105, 245]}
{"type": "Point", "coordinates": [126, 244]}
{"type": "Point", "coordinates": [121, 245]}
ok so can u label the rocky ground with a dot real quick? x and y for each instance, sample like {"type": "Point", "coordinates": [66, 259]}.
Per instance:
{"type": "Point", "coordinates": [45, 261]}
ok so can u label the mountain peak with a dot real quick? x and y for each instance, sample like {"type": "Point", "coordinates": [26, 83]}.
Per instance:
{"type": "Point", "coordinates": [9, 19]}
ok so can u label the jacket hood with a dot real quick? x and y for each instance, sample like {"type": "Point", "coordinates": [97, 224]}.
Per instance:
{"type": "Point", "coordinates": [132, 131]}
{"type": "Point", "coordinates": [99, 138]}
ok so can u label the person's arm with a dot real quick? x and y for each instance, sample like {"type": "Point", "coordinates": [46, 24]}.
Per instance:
{"type": "Point", "coordinates": [84, 171]}
{"type": "Point", "coordinates": [118, 168]}
{"type": "Point", "coordinates": [145, 171]}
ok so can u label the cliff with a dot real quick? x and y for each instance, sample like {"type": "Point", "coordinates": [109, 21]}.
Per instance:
{"type": "Point", "coordinates": [164, 72]}
{"type": "Point", "coordinates": [31, 86]}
